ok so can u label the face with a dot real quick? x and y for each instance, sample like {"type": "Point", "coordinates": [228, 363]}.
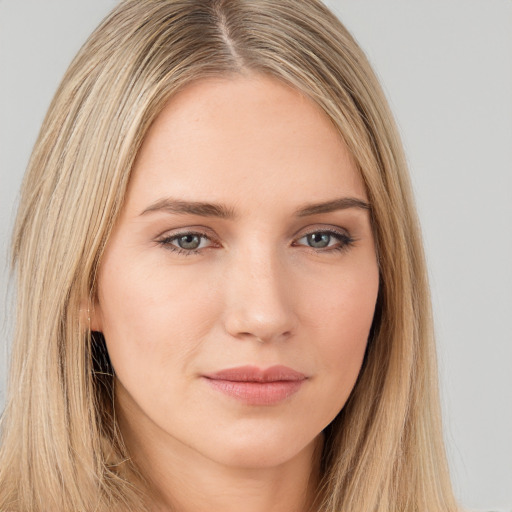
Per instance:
{"type": "Point", "coordinates": [238, 288]}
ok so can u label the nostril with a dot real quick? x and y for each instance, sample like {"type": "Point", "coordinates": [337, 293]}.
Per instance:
{"type": "Point", "coordinates": [262, 338]}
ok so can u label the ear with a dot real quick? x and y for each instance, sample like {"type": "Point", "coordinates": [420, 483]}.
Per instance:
{"type": "Point", "coordinates": [90, 314]}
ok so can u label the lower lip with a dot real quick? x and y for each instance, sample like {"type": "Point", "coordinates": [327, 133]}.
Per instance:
{"type": "Point", "coordinates": [257, 393]}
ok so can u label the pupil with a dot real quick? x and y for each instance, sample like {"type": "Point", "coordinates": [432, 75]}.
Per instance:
{"type": "Point", "coordinates": [319, 240]}
{"type": "Point", "coordinates": [189, 241]}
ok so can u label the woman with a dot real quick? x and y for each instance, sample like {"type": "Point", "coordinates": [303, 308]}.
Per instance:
{"type": "Point", "coordinates": [222, 298]}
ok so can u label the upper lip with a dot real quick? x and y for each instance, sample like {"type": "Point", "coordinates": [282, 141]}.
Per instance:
{"type": "Point", "coordinates": [276, 373]}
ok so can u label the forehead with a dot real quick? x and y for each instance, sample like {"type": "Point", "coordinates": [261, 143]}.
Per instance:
{"type": "Point", "coordinates": [228, 139]}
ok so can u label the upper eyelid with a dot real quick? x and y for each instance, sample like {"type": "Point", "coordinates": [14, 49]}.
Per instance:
{"type": "Point", "coordinates": [207, 232]}
{"type": "Point", "coordinates": [175, 233]}
{"type": "Point", "coordinates": [326, 229]}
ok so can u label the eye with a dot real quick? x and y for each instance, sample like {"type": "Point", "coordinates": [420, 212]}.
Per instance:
{"type": "Point", "coordinates": [329, 240]}
{"type": "Point", "coordinates": [186, 243]}
{"type": "Point", "coordinates": [319, 240]}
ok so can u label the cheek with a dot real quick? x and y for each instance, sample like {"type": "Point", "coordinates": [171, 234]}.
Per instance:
{"type": "Point", "coordinates": [342, 316]}
{"type": "Point", "coordinates": [152, 317]}
{"type": "Point", "coordinates": [344, 304]}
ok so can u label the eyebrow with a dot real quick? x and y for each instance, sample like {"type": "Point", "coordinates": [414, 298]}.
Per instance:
{"type": "Point", "coordinates": [205, 209]}
{"type": "Point", "coordinates": [201, 209]}
{"type": "Point", "coordinates": [331, 206]}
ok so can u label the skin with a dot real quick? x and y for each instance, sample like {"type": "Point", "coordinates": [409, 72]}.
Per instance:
{"type": "Point", "coordinates": [254, 292]}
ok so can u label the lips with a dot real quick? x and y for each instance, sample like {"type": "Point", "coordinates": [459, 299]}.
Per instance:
{"type": "Point", "coordinates": [255, 386]}
{"type": "Point", "coordinates": [254, 374]}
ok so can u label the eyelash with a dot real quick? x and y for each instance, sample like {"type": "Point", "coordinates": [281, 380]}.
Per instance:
{"type": "Point", "coordinates": [167, 242]}
{"type": "Point", "coordinates": [345, 240]}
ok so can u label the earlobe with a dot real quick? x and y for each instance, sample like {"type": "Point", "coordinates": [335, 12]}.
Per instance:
{"type": "Point", "coordinates": [95, 319]}
{"type": "Point", "coordinates": [90, 315]}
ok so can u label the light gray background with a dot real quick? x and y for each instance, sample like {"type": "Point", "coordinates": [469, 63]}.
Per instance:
{"type": "Point", "coordinates": [446, 66]}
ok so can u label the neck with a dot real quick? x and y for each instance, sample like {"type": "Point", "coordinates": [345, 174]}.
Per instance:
{"type": "Point", "coordinates": [205, 488]}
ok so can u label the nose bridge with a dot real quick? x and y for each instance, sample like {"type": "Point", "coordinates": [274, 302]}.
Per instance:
{"type": "Point", "coordinates": [259, 300]}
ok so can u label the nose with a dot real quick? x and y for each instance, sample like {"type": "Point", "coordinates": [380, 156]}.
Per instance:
{"type": "Point", "coordinates": [259, 298]}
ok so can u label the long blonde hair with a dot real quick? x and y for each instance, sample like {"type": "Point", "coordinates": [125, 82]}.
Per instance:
{"type": "Point", "coordinates": [61, 450]}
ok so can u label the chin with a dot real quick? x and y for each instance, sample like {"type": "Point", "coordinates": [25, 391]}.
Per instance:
{"type": "Point", "coordinates": [262, 451]}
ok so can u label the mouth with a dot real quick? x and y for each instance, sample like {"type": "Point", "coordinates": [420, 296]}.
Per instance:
{"type": "Point", "coordinates": [255, 386]}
